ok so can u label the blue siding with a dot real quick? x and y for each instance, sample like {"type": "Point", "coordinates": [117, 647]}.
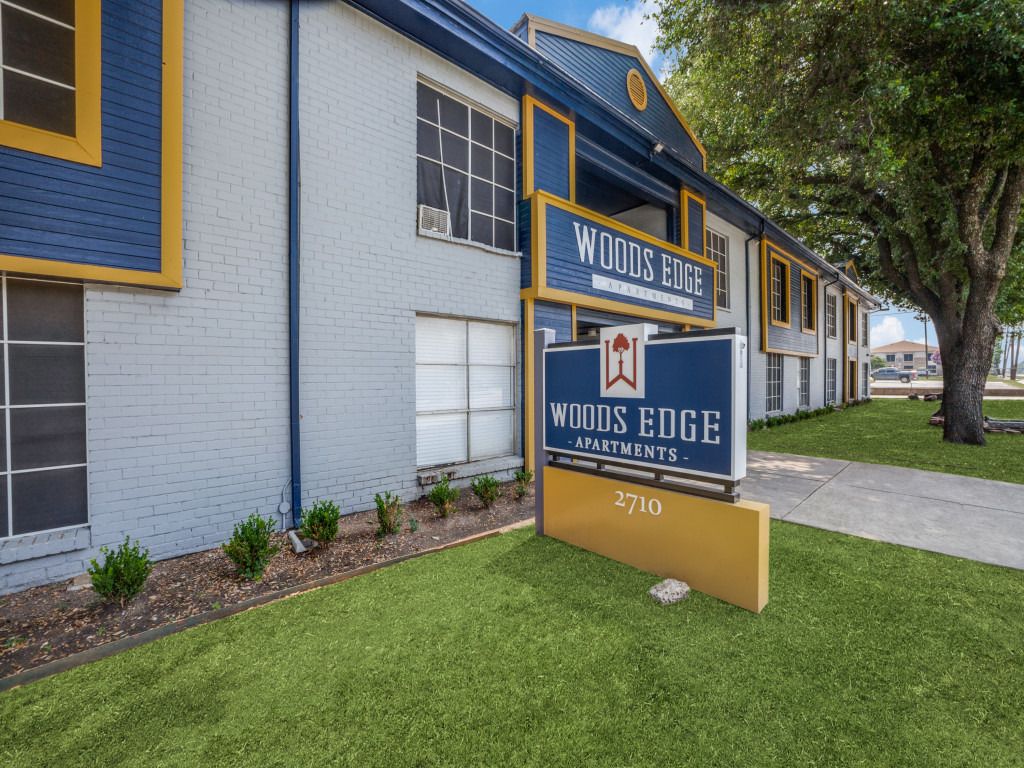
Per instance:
{"type": "Point", "coordinates": [695, 223]}
{"type": "Point", "coordinates": [550, 154]}
{"type": "Point", "coordinates": [525, 244]}
{"type": "Point", "coordinates": [558, 317]}
{"type": "Point", "coordinates": [604, 72]}
{"type": "Point", "coordinates": [107, 216]}
{"type": "Point", "coordinates": [790, 339]}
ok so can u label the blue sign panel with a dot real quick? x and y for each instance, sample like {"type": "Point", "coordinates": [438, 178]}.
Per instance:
{"type": "Point", "coordinates": [670, 404]}
{"type": "Point", "coordinates": [586, 255]}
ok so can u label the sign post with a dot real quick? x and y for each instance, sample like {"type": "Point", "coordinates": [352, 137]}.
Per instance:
{"type": "Point", "coordinates": [641, 445]}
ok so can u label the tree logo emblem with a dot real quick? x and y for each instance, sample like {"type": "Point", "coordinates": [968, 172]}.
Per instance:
{"type": "Point", "coordinates": [620, 346]}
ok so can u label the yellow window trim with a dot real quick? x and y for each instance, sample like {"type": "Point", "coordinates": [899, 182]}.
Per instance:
{"type": "Point", "coordinates": [86, 145]}
{"type": "Point", "coordinates": [787, 289]}
{"type": "Point", "coordinates": [170, 274]}
{"type": "Point", "coordinates": [847, 303]}
{"type": "Point", "coordinates": [685, 196]}
{"type": "Point", "coordinates": [529, 105]}
{"type": "Point", "coordinates": [811, 330]}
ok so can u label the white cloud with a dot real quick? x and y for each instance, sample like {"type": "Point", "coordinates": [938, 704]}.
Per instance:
{"type": "Point", "coordinates": [887, 330]}
{"type": "Point", "coordinates": [626, 22]}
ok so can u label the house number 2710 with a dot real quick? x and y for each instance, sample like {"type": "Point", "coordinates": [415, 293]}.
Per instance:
{"type": "Point", "coordinates": [631, 502]}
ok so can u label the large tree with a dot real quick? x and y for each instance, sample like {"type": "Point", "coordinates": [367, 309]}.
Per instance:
{"type": "Point", "coordinates": [892, 132]}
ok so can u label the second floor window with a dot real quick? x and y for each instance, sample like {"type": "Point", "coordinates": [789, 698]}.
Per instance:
{"type": "Point", "coordinates": [830, 314]}
{"type": "Point", "coordinates": [718, 252]}
{"type": "Point", "coordinates": [808, 303]}
{"type": "Point", "coordinates": [780, 291]}
{"type": "Point", "coordinates": [465, 165]}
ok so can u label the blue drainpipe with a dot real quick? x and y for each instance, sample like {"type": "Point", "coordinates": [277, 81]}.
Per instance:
{"type": "Point", "coordinates": [293, 261]}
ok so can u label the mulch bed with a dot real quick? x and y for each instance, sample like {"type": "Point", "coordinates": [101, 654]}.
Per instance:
{"type": "Point", "coordinates": [50, 622]}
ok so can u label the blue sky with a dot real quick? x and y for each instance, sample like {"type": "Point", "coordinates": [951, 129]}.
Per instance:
{"type": "Point", "coordinates": [624, 20]}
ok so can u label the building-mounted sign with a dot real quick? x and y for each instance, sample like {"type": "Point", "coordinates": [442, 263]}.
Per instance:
{"type": "Point", "coordinates": [674, 403]}
{"type": "Point", "coordinates": [582, 257]}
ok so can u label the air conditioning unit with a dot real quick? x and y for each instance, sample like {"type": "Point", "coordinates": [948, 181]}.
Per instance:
{"type": "Point", "coordinates": [434, 221]}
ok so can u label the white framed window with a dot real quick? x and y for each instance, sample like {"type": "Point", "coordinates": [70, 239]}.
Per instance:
{"type": "Point", "coordinates": [865, 374]}
{"type": "Point", "coordinates": [865, 336]}
{"type": "Point", "coordinates": [891, 358]}
{"type": "Point", "coordinates": [805, 382]}
{"type": "Point", "coordinates": [779, 291]}
{"type": "Point", "coordinates": [43, 481]}
{"type": "Point", "coordinates": [773, 388]}
{"type": "Point", "coordinates": [831, 315]}
{"type": "Point", "coordinates": [465, 390]}
{"type": "Point", "coordinates": [466, 165]}
{"type": "Point", "coordinates": [718, 252]}
{"type": "Point", "coordinates": [831, 380]}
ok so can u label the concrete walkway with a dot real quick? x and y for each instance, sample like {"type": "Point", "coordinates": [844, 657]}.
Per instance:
{"type": "Point", "coordinates": [963, 516]}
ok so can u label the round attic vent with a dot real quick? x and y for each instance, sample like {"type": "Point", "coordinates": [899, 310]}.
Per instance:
{"type": "Point", "coordinates": [636, 89]}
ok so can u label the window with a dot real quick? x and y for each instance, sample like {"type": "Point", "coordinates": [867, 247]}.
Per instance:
{"type": "Point", "coordinates": [42, 459]}
{"type": "Point", "coordinates": [718, 252]}
{"type": "Point", "coordinates": [830, 314]}
{"type": "Point", "coordinates": [890, 358]}
{"type": "Point", "coordinates": [865, 330]}
{"type": "Point", "coordinates": [808, 302]}
{"type": "Point", "coordinates": [908, 357]}
{"type": "Point", "coordinates": [50, 77]}
{"type": "Point", "coordinates": [865, 375]}
{"type": "Point", "coordinates": [780, 292]}
{"type": "Point", "coordinates": [465, 390]}
{"type": "Point", "coordinates": [465, 165]}
{"type": "Point", "coordinates": [831, 368]}
{"type": "Point", "coordinates": [851, 322]}
{"type": "Point", "coordinates": [805, 382]}
{"type": "Point", "coordinates": [773, 390]}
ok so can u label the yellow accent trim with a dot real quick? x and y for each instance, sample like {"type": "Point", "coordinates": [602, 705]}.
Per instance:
{"type": "Point", "coordinates": [636, 89]}
{"type": "Point", "coordinates": [786, 293]}
{"type": "Point", "coordinates": [607, 305]}
{"type": "Point", "coordinates": [573, 320]}
{"type": "Point", "coordinates": [529, 397]}
{"type": "Point", "coordinates": [685, 195]}
{"type": "Point", "coordinates": [807, 266]}
{"type": "Point", "coordinates": [170, 274]}
{"type": "Point", "coordinates": [86, 145]}
{"type": "Point", "coordinates": [571, 33]}
{"type": "Point", "coordinates": [851, 265]}
{"type": "Point", "coordinates": [812, 330]}
{"type": "Point", "coordinates": [529, 104]}
{"type": "Point", "coordinates": [716, 547]}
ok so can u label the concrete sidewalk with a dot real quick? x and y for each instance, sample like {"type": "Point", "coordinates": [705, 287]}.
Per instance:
{"type": "Point", "coordinates": [962, 516]}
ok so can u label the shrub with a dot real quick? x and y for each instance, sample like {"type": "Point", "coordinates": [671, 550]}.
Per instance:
{"type": "Point", "coordinates": [320, 522]}
{"type": "Point", "coordinates": [389, 514]}
{"type": "Point", "coordinates": [249, 547]}
{"type": "Point", "coordinates": [487, 489]}
{"type": "Point", "coordinates": [443, 497]}
{"type": "Point", "coordinates": [522, 486]}
{"type": "Point", "coordinates": [123, 573]}
{"type": "Point", "coordinates": [414, 525]}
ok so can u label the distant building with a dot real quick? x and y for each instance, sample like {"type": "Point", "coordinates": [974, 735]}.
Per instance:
{"type": "Point", "coordinates": [907, 355]}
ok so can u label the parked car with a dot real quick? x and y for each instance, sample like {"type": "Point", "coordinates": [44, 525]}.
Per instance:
{"type": "Point", "coordinates": [930, 371]}
{"type": "Point", "coordinates": [893, 374]}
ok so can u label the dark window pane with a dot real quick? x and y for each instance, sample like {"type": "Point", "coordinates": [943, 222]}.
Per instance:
{"type": "Point", "coordinates": [481, 199]}
{"type": "Point", "coordinates": [32, 102]}
{"type": "Point", "coordinates": [428, 184]}
{"type": "Point", "coordinates": [3, 455]}
{"type": "Point", "coordinates": [504, 235]}
{"type": "Point", "coordinates": [426, 102]}
{"type": "Point", "coordinates": [483, 229]}
{"type": "Point", "coordinates": [455, 151]}
{"type": "Point", "coordinates": [482, 128]}
{"type": "Point", "coordinates": [61, 10]}
{"type": "Point", "coordinates": [454, 116]}
{"type": "Point", "coordinates": [482, 160]}
{"type": "Point", "coordinates": [457, 186]}
{"type": "Point", "coordinates": [428, 142]}
{"type": "Point", "coordinates": [3, 505]}
{"type": "Point", "coordinates": [47, 437]}
{"type": "Point", "coordinates": [504, 172]}
{"type": "Point", "coordinates": [46, 374]}
{"type": "Point", "coordinates": [38, 311]}
{"type": "Point", "coordinates": [504, 139]}
{"type": "Point", "coordinates": [38, 47]}
{"type": "Point", "coordinates": [504, 204]}
{"type": "Point", "coordinates": [53, 498]}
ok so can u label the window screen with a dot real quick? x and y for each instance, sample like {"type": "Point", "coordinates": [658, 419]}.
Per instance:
{"type": "Point", "coordinates": [773, 390]}
{"type": "Point", "coordinates": [465, 390]}
{"type": "Point", "coordinates": [43, 456]}
{"type": "Point", "coordinates": [830, 314]}
{"type": "Point", "coordinates": [807, 302]}
{"type": "Point", "coordinates": [37, 42]}
{"type": "Point", "coordinates": [780, 292]}
{"type": "Point", "coordinates": [465, 164]}
{"type": "Point", "coordinates": [718, 252]}
{"type": "Point", "coordinates": [805, 382]}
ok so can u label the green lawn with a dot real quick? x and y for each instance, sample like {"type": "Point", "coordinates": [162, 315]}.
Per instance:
{"type": "Point", "coordinates": [525, 651]}
{"type": "Point", "coordinates": [897, 432]}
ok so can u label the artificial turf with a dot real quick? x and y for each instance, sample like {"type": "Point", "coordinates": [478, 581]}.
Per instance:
{"type": "Point", "coordinates": [897, 432]}
{"type": "Point", "coordinates": [519, 650]}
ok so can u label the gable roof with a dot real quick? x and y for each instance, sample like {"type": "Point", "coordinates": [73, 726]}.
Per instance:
{"type": "Point", "coordinates": [601, 64]}
{"type": "Point", "coordinates": [902, 346]}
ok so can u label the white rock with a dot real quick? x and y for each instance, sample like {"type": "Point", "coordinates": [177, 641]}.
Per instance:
{"type": "Point", "coordinates": [670, 591]}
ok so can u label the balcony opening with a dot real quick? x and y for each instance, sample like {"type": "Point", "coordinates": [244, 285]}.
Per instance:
{"type": "Point", "coordinates": [603, 194]}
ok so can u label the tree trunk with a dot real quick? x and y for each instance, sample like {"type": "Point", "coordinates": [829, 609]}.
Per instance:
{"type": "Point", "coordinates": [965, 371]}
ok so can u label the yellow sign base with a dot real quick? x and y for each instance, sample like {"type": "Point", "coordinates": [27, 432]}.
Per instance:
{"type": "Point", "coordinates": [716, 547]}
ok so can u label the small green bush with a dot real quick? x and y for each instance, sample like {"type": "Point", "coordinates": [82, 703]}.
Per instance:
{"type": "Point", "coordinates": [443, 497]}
{"type": "Point", "coordinates": [414, 525]}
{"type": "Point", "coordinates": [487, 489]}
{"type": "Point", "coordinates": [522, 486]}
{"type": "Point", "coordinates": [389, 514]}
{"type": "Point", "coordinates": [791, 418]}
{"type": "Point", "coordinates": [249, 547]}
{"type": "Point", "coordinates": [123, 573]}
{"type": "Point", "coordinates": [320, 522]}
